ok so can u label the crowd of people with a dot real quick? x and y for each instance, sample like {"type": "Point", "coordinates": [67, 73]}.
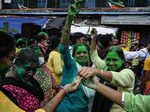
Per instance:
{"type": "Point", "coordinates": [57, 71]}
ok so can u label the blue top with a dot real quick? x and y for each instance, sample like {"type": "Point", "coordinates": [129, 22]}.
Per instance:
{"type": "Point", "coordinates": [77, 101]}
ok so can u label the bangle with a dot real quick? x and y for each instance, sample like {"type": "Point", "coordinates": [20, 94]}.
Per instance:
{"type": "Point", "coordinates": [66, 92]}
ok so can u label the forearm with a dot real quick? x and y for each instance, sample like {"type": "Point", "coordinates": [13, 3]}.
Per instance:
{"type": "Point", "coordinates": [93, 44]}
{"type": "Point", "coordinates": [51, 106]}
{"type": "Point", "coordinates": [113, 95]}
{"type": "Point", "coordinates": [106, 75]}
{"type": "Point", "coordinates": [66, 30]}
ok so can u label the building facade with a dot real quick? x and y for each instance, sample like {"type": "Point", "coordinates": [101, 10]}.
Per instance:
{"type": "Point", "coordinates": [14, 4]}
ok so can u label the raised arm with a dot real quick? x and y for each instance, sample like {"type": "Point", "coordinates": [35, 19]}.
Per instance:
{"type": "Point", "coordinates": [72, 11]}
{"type": "Point", "coordinates": [97, 61]}
{"type": "Point", "coordinates": [93, 41]}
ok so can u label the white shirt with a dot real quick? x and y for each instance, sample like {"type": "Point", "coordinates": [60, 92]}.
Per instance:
{"type": "Point", "coordinates": [136, 54]}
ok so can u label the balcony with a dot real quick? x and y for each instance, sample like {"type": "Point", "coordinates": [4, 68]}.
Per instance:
{"type": "Point", "coordinates": [95, 11]}
{"type": "Point", "coordinates": [14, 4]}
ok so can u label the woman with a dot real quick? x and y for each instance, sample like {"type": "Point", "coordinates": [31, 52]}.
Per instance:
{"type": "Point", "coordinates": [128, 101]}
{"type": "Point", "coordinates": [7, 52]}
{"type": "Point", "coordinates": [55, 63]}
{"type": "Point", "coordinates": [42, 39]}
{"type": "Point", "coordinates": [77, 101]}
{"type": "Point", "coordinates": [117, 74]}
{"type": "Point", "coordinates": [7, 104]}
{"type": "Point", "coordinates": [21, 88]}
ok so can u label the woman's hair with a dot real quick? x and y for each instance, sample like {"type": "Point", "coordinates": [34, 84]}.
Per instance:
{"type": "Point", "coordinates": [41, 36]}
{"type": "Point", "coordinates": [104, 39]}
{"type": "Point", "coordinates": [27, 55]}
{"type": "Point", "coordinates": [7, 44]}
{"type": "Point", "coordinates": [118, 50]}
{"type": "Point", "coordinates": [75, 36]}
{"type": "Point", "coordinates": [53, 43]}
{"type": "Point", "coordinates": [21, 43]}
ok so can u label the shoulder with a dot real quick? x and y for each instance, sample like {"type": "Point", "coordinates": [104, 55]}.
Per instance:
{"type": "Point", "coordinates": [147, 60]}
{"type": "Point", "coordinates": [128, 72]}
{"type": "Point", "coordinates": [54, 53]}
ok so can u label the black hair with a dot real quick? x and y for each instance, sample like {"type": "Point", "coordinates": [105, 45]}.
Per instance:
{"type": "Point", "coordinates": [7, 44]}
{"type": "Point", "coordinates": [105, 39]}
{"type": "Point", "coordinates": [53, 42]}
{"type": "Point", "coordinates": [27, 55]}
{"type": "Point", "coordinates": [118, 50]}
{"type": "Point", "coordinates": [75, 36]}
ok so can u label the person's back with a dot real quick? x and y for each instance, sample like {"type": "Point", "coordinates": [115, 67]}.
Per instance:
{"type": "Point", "coordinates": [55, 64]}
{"type": "Point", "coordinates": [54, 61]}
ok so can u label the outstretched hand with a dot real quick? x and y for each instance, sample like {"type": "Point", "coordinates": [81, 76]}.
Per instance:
{"type": "Point", "coordinates": [74, 85]}
{"type": "Point", "coordinates": [92, 82]}
{"type": "Point", "coordinates": [86, 72]}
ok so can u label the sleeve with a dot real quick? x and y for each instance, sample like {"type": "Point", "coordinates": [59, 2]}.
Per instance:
{"type": "Point", "coordinates": [97, 61]}
{"type": "Point", "coordinates": [66, 55]}
{"type": "Point", "coordinates": [136, 54]}
{"type": "Point", "coordinates": [147, 64]}
{"type": "Point", "coordinates": [125, 78]}
{"type": "Point", "coordinates": [57, 62]}
{"type": "Point", "coordinates": [6, 105]}
{"type": "Point", "coordinates": [40, 110]}
{"type": "Point", "coordinates": [138, 103]}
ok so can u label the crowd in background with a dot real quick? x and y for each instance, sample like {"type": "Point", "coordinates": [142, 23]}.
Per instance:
{"type": "Point", "coordinates": [58, 71]}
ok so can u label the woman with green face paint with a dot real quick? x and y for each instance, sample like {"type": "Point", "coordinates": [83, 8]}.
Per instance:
{"type": "Point", "coordinates": [77, 101]}
{"type": "Point", "coordinates": [81, 54]}
{"type": "Point", "coordinates": [17, 95]}
{"type": "Point", "coordinates": [112, 70]}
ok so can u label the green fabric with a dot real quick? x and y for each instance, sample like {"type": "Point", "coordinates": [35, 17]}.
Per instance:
{"type": "Point", "coordinates": [43, 33]}
{"type": "Point", "coordinates": [37, 50]}
{"type": "Point", "coordinates": [118, 3]}
{"type": "Point", "coordinates": [124, 80]}
{"type": "Point", "coordinates": [138, 103]}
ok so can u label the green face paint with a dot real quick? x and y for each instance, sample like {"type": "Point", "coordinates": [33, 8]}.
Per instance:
{"type": "Point", "coordinates": [81, 55]}
{"type": "Point", "coordinates": [3, 70]}
{"type": "Point", "coordinates": [20, 71]}
{"type": "Point", "coordinates": [113, 61]}
{"type": "Point", "coordinates": [24, 71]}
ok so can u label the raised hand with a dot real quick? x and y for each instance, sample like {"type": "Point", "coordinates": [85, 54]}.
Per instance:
{"type": "Point", "coordinates": [72, 11]}
{"type": "Point", "coordinates": [93, 32]}
{"type": "Point", "coordinates": [74, 8]}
